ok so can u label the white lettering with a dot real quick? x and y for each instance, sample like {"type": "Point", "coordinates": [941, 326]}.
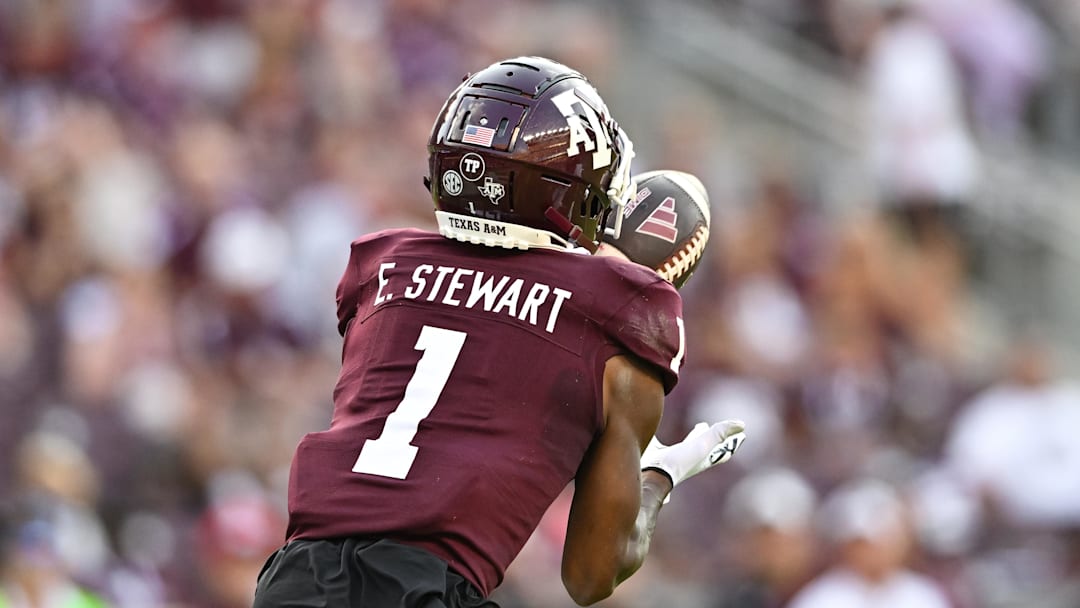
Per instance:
{"type": "Point", "coordinates": [536, 297]}
{"type": "Point", "coordinates": [556, 306]}
{"type": "Point", "coordinates": [676, 361]}
{"type": "Point", "coordinates": [379, 297]}
{"type": "Point", "coordinates": [455, 284]}
{"type": "Point", "coordinates": [565, 102]}
{"type": "Point", "coordinates": [443, 271]}
{"type": "Point", "coordinates": [510, 297]}
{"type": "Point", "coordinates": [412, 292]}
{"type": "Point", "coordinates": [602, 156]}
{"type": "Point", "coordinates": [485, 290]}
{"type": "Point", "coordinates": [598, 141]}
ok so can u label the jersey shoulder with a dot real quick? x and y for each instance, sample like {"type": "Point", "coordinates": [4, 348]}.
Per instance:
{"type": "Point", "coordinates": [643, 316]}
{"type": "Point", "coordinates": [627, 271]}
{"type": "Point", "coordinates": [367, 250]}
{"type": "Point", "coordinates": [392, 236]}
{"type": "Point", "coordinates": [630, 283]}
{"type": "Point", "coordinates": [365, 254]}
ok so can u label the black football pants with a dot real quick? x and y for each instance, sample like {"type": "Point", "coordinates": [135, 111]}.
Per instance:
{"type": "Point", "coordinates": [361, 573]}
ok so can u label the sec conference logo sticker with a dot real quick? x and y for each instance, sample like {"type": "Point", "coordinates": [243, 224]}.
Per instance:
{"type": "Point", "coordinates": [451, 182]}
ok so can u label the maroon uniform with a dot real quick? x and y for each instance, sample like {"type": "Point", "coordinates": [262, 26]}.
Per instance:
{"type": "Point", "coordinates": [471, 387]}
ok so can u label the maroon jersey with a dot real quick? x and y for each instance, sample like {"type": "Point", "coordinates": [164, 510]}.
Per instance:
{"type": "Point", "coordinates": [470, 389]}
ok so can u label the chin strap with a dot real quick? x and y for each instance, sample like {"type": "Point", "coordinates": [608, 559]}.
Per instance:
{"type": "Point", "coordinates": [572, 231]}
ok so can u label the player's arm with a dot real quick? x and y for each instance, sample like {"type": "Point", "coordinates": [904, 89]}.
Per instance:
{"type": "Point", "coordinates": [619, 490]}
{"type": "Point", "coordinates": [615, 505]}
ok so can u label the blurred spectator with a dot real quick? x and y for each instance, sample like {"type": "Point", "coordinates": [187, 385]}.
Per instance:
{"type": "Point", "coordinates": [868, 524]}
{"type": "Point", "coordinates": [58, 478]}
{"type": "Point", "coordinates": [948, 523]}
{"type": "Point", "coordinates": [1002, 49]}
{"type": "Point", "coordinates": [1034, 482]}
{"type": "Point", "coordinates": [927, 167]}
{"type": "Point", "coordinates": [770, 513]}
{"type": "Point", "coordinates": [233, 538]}
{"type": "Point", "coordinates": [921, 147]}
{"type": "Point", "coordinates": [757, 403]}
{"type": "Point", "coordinates": [844, 391]}
{"type": "Point", "coordinates": [32, 573]}
{"type": "Point", "coordinates": [763, 258]}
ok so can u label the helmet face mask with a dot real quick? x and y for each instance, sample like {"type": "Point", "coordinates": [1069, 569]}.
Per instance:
{"type": "Point", "coordinates": [520, 137]}
{"type": "Point", "coordinates": [623, 186]}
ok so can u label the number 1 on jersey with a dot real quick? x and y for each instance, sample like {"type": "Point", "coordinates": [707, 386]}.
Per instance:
{"type": "Point", "coordinates": [391, 455]}
{"type": "Point", "coordinates": [676, 361]}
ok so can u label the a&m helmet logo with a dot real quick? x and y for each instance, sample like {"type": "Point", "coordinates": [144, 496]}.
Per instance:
{"type": "Point", "coordinates": [572, 104]}
{"type": "Point", "coordinates": [492, 190]}
{"type": "Point", "coordinates": [661, 222]}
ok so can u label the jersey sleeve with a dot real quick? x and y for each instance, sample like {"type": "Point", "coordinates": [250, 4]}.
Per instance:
{"type": "Point", "coordinates": [363, 257]}
{"type": "Point", "coordinates": [348, 289]}
{"type": "Point", "coordinates": [649, 325]}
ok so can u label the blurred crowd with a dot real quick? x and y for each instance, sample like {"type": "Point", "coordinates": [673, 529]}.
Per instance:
{"type": "Point", "coordinates": [1015, 60]}
{"type": "Point", "coordinates": [180, 179]}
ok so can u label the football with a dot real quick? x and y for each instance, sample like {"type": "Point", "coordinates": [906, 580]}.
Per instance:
{"type": "Point", "coordinates": [666, 226]}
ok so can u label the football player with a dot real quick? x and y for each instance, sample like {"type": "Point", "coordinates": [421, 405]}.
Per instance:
{"type": "Point", "coordinates": [487, 366]}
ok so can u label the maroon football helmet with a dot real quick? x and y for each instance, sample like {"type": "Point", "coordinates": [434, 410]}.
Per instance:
{"type": "Point", "coordinates": [525, 154]}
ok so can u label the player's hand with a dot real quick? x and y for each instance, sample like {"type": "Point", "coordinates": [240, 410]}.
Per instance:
{"type": "Point", "coordinates": [704, 447]}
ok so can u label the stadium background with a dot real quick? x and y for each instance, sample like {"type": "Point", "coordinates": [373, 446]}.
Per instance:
{"type": "Point", "coordinates": [889, 299]}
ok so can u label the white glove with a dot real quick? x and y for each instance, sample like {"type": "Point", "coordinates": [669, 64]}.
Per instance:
{"type": "Point", "coordinates": [704, 447]}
